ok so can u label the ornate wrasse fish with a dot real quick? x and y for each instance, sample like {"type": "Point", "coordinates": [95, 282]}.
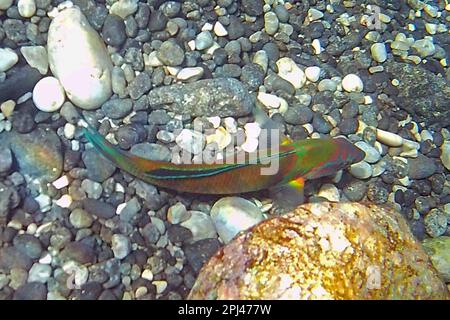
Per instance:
{"type": "Point", "coordinates": [297, 161]}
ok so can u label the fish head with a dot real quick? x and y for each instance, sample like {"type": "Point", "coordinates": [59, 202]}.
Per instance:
{"type": "Point", "coordinates": [333, 155]}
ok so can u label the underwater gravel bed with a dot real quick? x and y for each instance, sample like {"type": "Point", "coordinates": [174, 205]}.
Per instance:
{"type": "Point", "coordinates": [72, 226]}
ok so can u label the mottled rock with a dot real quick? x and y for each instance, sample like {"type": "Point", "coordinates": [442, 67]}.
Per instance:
{"type": "Point", "coordinates": [221, 97]}
{"type": "Point", "coordinates": [439, 251]}
{"type": "Point", "coordinates": [333, 242]}
{"type": "Point", "coordinates": [421, 167]}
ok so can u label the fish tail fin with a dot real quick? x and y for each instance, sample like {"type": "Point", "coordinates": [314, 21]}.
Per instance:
{"type": "Point", "coordinates": [108, 150]}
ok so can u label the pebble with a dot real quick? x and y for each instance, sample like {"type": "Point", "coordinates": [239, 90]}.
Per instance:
{"type": "Point", "coordinates": [80, 218]}
{"type": "Point", "coordinates": [7, 108]}
{"type": "Point", "coordinates": [234, 214]}
{"type": "Point", "coordinates": [298, 115]}
{"type": "Point", "coordinates": [355, 190]}
{"type": "Point", "coordinates": [61, 182]}
{"type": "Point", "coordinates": [117, 108]}
{"type": "Point", "coordinates": [221, 137]}
{"type": "Point", "coordinates": [5, 4]}
{"type": "Point", "coordinates": [361, 170]}
{"type": "Point", "coordinates": [192, 141]}
{"type": "Point", "coordinates": [219, 30]}
{"type": "Point", "coordinates": [139, 85]}
{"type": "Point", "coordinates": [99, 208]}
{"type": "Point", "coordinates": [36, 57]}
{"type": "Point", "coordinates": [151, 151]}
{"type": "Point", "coordinates": [221, 97]}
{"type": "Point", "coordinates": [39, 273]}
{"type": "Point", "coordinates": [170, 54]}
{"type": "Point", "coordinates": [99, 169]}
{"type": "Point", "coordinates": [191, 74]}
{"type": "Point", "coordinates": [200, 225]}
{"type": "Point", "coordinates": [204, 40]}
{"type": "Point", "coordinates": [124, 8]}
{"type": "Point", "coordinates": [421, 167]}
{"type": "Point", "coordinates": [28, 245]}
{"type": "Point", "coordinates": [445, 154]}
{"type": "Point", "coordinates": [378, 51]}
{"type": "Point", "coordinates": [435, 223]}
{"type": "Point", "coordinates": [312, 73]}
{"type": "Point", "coordinates": [87, 87]}
{"type": "Point", "coordinates": [425, 47]}
{"type": "Point", "coordinates": [271, 23]}
{"type": "Point", "coordinates": [352, 83]}
{"type": "Point", "coordinates": [79, 252]}
{"type": "Point", "coordinates": [113, 31]}
{"type": "Point", "coordinates": [388, 138]}
{"type": "Point", "coordinates": [8, 58]}
{"type": "Point", "coordinates": [177, 213]}
{"type": "Point", "coordinates": [314, 14]}
{"type": "Point", "coordinates": [31, 291]}
{"type": "Point", "coordinates": [372, 154]}
{"type": "Point", "coordinates": [329, 192]}
{"type": "Point", "coordinates": [288, 70]}
{"type": "Point", "coordinates": [439, 251]}
{"type": "Point", "coordinates": [120, 245]}
{"type": "Point", "coordinates": [48, 94]}
{"type": "Point", "coordinates": [26, 8]}
{"type": "Point", "coordinates": [158, 21]}
{"type": "Point", "coordinates": [198, 253]}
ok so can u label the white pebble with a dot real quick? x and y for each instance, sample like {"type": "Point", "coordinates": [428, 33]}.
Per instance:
{"type": "Point", "coordinates": [378, 51]}
{"type": "Point", "coordinates": [5, 4]}
{"type": "Point", "coordinates": [329, 192]}
{"type": "Point", "coordinates": [36, 57]}
{"type": "Point", "coordinates": [445, 154]}
{"type": "Point", "coordinates": [372, 154]}
{"type": "Point", "coordinates": [388, 138]}
{"type": "Point", "coordinates": [65, 201]}
{"type": "Point", "coordinates": [269, 100]}
{"type": "Point", "coordinates": [48, 94]}
{"type": "Point", "coordinates": [312, 73]}
{"type": "Point", "coordinates": [8, 58]}
{"type": "Point", "coordinates": [69, 131]}
{"type": "Point", "coordinates": [316, 46]}
{"type": "Point", "coordinates": [26, 8]}
{"type": "Point", "coordinates": [289, 71]}
{"type": "Point", "coordinates": [352, 83]}
{"type": "Point", "coordinates": [61, 182]}
{"type": "Point", "coordinates": [220, 30]}
{"type": "Point", "coordinates": [250, 145]}
{"type": "Point", "coordinates": [252, 130]}
{"type": "Point", "coordinates": [44, 201]}
{"type": "Point", "coordinates": [190, 73]}
{"type": "Point", "coordinates": [215, 121]}
{"type": "Point", "coordinates": [314, 14]}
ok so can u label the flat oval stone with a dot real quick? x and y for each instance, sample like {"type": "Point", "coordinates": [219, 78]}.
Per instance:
{"type": "Point", "coordinates": [79, 59]}
{"type": "Point", "coordinates": [232, 215]}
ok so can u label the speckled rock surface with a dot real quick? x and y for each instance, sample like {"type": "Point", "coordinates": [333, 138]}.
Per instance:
{"type": "Point", "coordinates": [323, 251]}
{"type": "Point", "coordinates": [219, 97]}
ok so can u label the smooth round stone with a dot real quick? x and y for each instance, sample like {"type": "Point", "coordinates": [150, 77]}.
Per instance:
{"type": "Point", "coordinates": [262, 59]}
{"type": "Point", "coordinates": [80, 218]}
{"type": "Point", "coordinates": [124, 8]}
{"type": "Point", "coordinates": [36, 57]}
{"type": "Point", "coordinates": [372, 154]}
{"type": "Point", "coordinates": [190, 73]}
{"type": "Point", "coordinates": [151, 151]}
{"type": "Point", "coordinates": [201, 226]}
{"type": "Point", "coordinates": [329, 192]}
{"type": "Point", "coordinates": [8, 58]}
{"type": "Point", "coordinates": [5, 4]}
{"type": "Point", "coordinates": [177, 213]}
{"type": "Point", "coordinates": [204, 40]}
{"type": "Point", "coordinates": [435, 223]}
{"type": "Point", "coordinates": [80, 61]}
{"type": "Point", "coordinates": [421, 167]}
{"type": "Point", "coordinates": [120, 245]}
{"type": "Point", "coordinates": [170, 54]}
{"type": "Point", "coordinates": [312, 73]}
{"type": "Point", "coordinates": [288, 70]}
{"type": "Point", "coordinates": [232, 215]}
{"type": "Point", "coordinates": [352, 83]}
{"type": "Point", "coordinates": [327, 85]}
{"type": "Point", "coordinates": [113, 31]}
{"type": "Point", "coordinates": [39, 273]}
{"type": "Point", "coordinates": [445, 154]}
{"type": "Point", "coordinates": [314, 14]}
{"type": "Point", "coordinates": [378, 51]}
{"type": "Point", "coordinates": [425, 47]}
{"type": "Point", "coordinates": [27, 8]}
{"type": "Point", "coordinates": [48, 94]}
{"type": "Point", "coordinates": [271, 23]}
{"type": "Point", "coordinates": [361, 170]}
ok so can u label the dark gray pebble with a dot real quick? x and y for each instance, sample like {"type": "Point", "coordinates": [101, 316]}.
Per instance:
{"type": "Point", "coordinates": [178, 234]}
{"type": "Point", "coordinates": [298, 115]}
{"type": "Point", "coordinates": [31, 291]}
{"type": "Point", "coordinates": [29, 245]}
{"type": "Point", "coordinates": [140, 85]}
{"type": "Point", "coordinates": [99, 169]}
{"type": "Point", "coordinates": [113, 32]}
{"type": "Point", "coordinates": [99, 208]}
{"type": "Point", "coordinates": [117, 108]}
{"type": "Point", "coordinates": [421, 167]}
{"type": "Point", "coordinates": [79, 252]}
{"type": "Point", "coordinates": [200, 252]}
{"type": "Point", "coordinates": [252, 76]}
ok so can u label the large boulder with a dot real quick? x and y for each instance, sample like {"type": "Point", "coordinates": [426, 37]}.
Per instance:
{"type": "Point", "coordinates": [323, 251]}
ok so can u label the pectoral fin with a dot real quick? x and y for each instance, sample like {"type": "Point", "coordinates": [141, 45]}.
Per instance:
{"type": "Point", "coordinates": [287, 197]}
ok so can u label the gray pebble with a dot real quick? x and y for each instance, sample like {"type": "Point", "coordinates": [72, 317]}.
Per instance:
{"type": "Point", "coordinates": [99, 208]}
{"type": "Point", "coordinates": [29, 245]}
{"type": "Point", "coordinates": [151, 151]}
{"type": "Point", "coordinates": [140, 85]}
{"type": "Point", "coordinates": [5, 160]}
{"type": "Point", "coordinates": [171, 54]}
{"type": "Point", "coordinates": [117, 108]}
{"type": "Point", "coordinates": [113, 32]}
{"type": "Point", "coordinates": [298, 115]}
{"type": "Point", "coordinates": [421, 167]}
{"type": "Point", "coordinates": [435, 223]}
{"type": "Point", "coordinates": [99, 169]}
{"type": "Point", "coordinates": [31, 291]}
